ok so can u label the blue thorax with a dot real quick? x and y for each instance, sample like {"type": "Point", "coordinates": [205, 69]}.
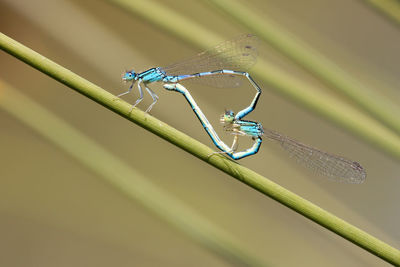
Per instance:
{"type": "Point", "coordinates": [250, 128]}
{"type": "Point", "coordinates": [152, 75]}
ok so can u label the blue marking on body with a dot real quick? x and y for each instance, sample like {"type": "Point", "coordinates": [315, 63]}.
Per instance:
{"type": "Point", "coordinates": [248, 152]}
{"type": "Point", "coordinates": [241, 114]}
{"type": "Point", "coordinates": [251, 128]}
{"type": "Point", "coordinates": [175, 79]}
{"type": "Point", "coordinates": [199, 114]}
{"type": "Point", "coordinates": [240, 55]}
{"type": "Point", "coordinates": [152, 75]}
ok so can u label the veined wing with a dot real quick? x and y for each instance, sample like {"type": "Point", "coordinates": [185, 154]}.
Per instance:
{"type": "Point", "coordinates": [238, 54]}
{"type": "Point", "coordinates": [332, 166]}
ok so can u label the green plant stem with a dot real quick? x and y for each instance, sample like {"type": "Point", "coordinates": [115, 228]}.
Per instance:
{"type": "Point", "coordinates": [389, 8]}
{"type": "Point", "coordinates": [241, 173]}
{"type": "Point", "coordinates": [302, 93]}
{"type": "Point", "coordinates": [124, 178]}
{"type": "Point", "coordinates": [312, 61]}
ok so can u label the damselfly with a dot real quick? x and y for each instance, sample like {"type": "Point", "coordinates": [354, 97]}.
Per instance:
{"type": "Point", "coordinates": [332, 166]}
{"type": "Point", "coordinates": [221, 66]}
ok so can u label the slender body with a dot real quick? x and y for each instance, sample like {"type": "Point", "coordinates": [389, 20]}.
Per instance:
{"type": "Point", "coordinates": [229, 150]}
{"type": "Point", "coordinates": [222, 66]}
{"type": "Point", "coordinates": [329, 165]}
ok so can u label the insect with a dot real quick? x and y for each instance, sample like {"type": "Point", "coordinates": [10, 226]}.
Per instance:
{"type": "Point", "coordinates": [332, 166]}
{"type": "Point", "coordinates": [221, 66]}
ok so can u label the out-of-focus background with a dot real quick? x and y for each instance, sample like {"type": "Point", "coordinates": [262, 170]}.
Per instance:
{"type": "Point", "coordinates": [56, 212]}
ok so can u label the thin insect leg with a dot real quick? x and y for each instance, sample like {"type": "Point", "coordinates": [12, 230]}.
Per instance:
{"type": "Point", "coordinates": [233, 147]}
{"type": "Point", "coordinates": [242, 154]}
{"type": "Point", "coordinates": [208, 127]}
{"type": "Point", "coordinates": [154, 96]}
{"type": "Point", "coordinates": [129, 90]}
{"type": "Point", "coordinates": [140, 96]}
{"type": "Point", "coordinates": [235, 143]}
{"type": "Point", "coordinates": [241, 114]}
{"type": "Point", "coordinates": [250, 151]}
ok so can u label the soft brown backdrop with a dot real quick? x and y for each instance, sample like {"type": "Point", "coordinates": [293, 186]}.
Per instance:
{"type": "Point", "coordinates": [54, 212]}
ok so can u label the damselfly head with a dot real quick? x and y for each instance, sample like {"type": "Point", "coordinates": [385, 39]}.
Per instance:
{"type": "Point", "coordinates": [228, 117]}
{"type": "Point", "coordinates": [129, 75]}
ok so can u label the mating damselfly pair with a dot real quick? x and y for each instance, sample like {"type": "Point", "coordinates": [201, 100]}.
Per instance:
{"type": "Point", "coordinates": [224, 66]}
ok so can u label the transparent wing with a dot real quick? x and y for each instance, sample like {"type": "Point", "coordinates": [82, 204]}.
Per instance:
{"type": "Point", "coordinates": [219, 81]}
{"type": "Point", "coordinates": [332, 166]}
{"type": "Point", "coordinates": [238, 54]}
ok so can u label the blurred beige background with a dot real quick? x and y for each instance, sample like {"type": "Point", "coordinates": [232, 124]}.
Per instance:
{"type": "Point", "coordinates": [55, 212]}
